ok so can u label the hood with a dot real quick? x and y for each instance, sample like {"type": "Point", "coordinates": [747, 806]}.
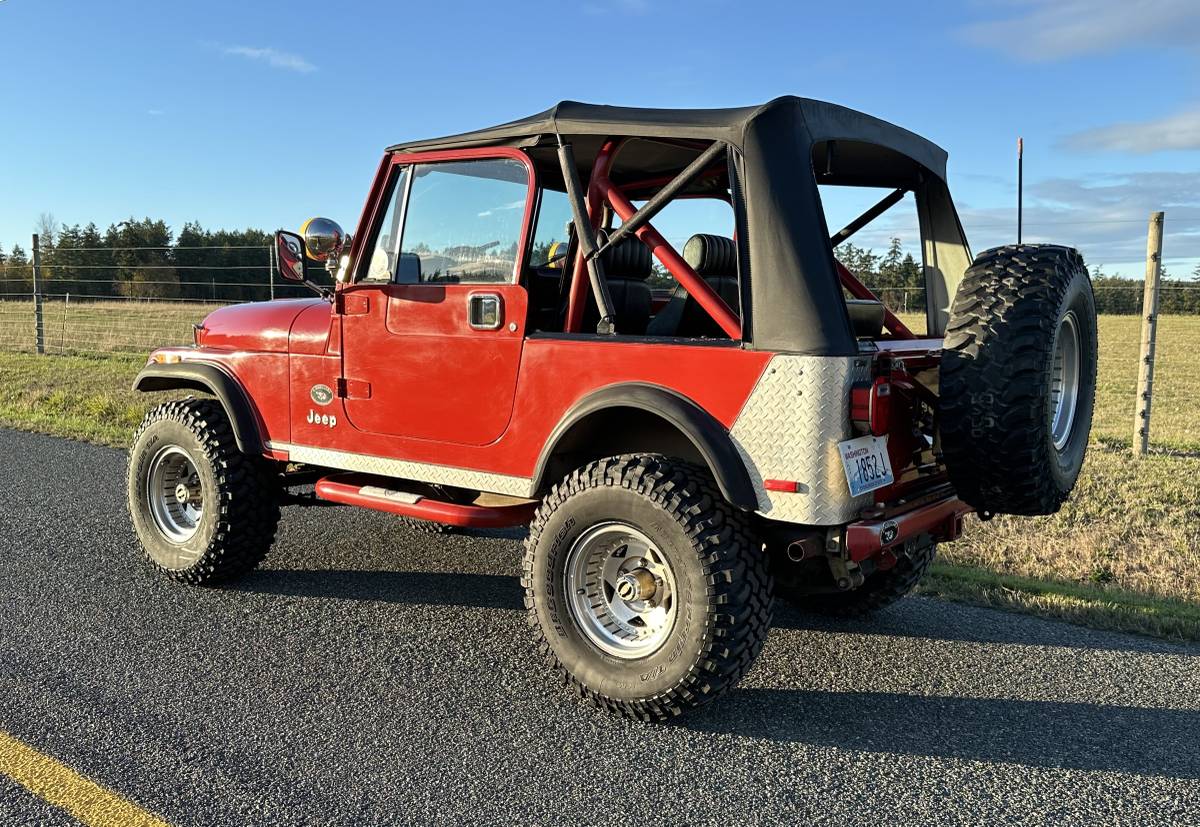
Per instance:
{"type": "Point", "coordinates": [257, 326]}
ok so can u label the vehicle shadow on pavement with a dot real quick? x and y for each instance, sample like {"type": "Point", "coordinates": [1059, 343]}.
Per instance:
{"type": "Point", "coordinates": [930, 618]}
{"type": "Point", "coordinates": [485, 591]}
{"type": "Point", "coordinates": [1081, 736]}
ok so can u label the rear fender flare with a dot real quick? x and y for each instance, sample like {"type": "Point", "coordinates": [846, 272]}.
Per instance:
{"type": "Point", "coordinates": [209, 378]}
{"type": "Point", "coordinates": [710, 439]}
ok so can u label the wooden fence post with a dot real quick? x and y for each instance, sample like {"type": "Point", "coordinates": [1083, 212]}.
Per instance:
{"type": "Point", "coordinates": [39, 329]}
{"type": "Point", "coordinates": [62, 340]}
{"type": "Point", "coordinates": [1141, 420]}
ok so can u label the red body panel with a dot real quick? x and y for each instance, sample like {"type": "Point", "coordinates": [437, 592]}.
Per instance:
{"type": "Point", "coordinates": [423, 372]}
{"type": "Point", "coordinates": [554, 373]}
{"type": "Point", "coordinates": [259, 326]}
{"type": "Point", "coordinates": [718, 379]}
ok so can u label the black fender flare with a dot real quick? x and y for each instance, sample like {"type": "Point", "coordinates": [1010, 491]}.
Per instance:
{"type": "Point", "coordinates": [208, 378]}
{"type": "Point", "coordinates": [709, 437]}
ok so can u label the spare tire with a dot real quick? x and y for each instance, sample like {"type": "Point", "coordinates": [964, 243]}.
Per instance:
{"type": "Point", "coordinates": [1018, 379]}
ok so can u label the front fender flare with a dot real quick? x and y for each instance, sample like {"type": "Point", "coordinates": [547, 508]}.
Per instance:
{"type": "Point", "coordinates": [709, 437]}
{"type": "Point", "coordinates": [208, 378]}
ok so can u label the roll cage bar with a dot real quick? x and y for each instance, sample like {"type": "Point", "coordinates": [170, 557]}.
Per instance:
{"type": "Point", "coordinates": [588, 213]}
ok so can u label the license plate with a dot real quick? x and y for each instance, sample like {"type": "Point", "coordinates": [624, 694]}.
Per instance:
{"type": "Point", "coordinates": [866, 463]}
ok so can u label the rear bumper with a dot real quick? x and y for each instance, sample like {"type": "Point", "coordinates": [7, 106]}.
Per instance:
{"type": "Point", "coordinates": [942, 519]}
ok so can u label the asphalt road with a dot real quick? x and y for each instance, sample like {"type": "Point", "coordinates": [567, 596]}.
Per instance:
{"type": "Point", "coordinates": [369, 674]}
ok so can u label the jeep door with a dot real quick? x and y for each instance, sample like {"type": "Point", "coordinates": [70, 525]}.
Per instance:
{"type": "Point", "coordinates": [434, 323]}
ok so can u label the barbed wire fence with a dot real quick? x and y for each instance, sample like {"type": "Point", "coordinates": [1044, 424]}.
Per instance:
{"type": "Point", "coordinates": [92, 306]}
{"type": "Point", "coordinates": [106, 301]}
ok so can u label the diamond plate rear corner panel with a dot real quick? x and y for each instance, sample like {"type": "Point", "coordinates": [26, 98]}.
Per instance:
{"type": "Point", "coordinates": [789, 429]}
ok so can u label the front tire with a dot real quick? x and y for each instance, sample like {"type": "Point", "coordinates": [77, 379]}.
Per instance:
{"type": "Point", "coordinates": [646, 590]}
{"type": "Point", "coordinates": [205, 512]}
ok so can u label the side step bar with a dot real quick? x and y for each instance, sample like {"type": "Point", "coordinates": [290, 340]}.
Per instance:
{"type": "Point", "coordinates": [381, 494]}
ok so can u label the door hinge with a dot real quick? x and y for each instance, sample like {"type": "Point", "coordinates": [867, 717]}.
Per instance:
{"type": "Point", "coordinates": [353, 389]}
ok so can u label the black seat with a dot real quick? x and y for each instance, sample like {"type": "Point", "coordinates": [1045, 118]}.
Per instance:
{"type": "Point", "coordinates": [714, 258]}
{"type": "Point", "coordinates": [626, 268]}
{"type": "Point", "coordinates": [866, 317]}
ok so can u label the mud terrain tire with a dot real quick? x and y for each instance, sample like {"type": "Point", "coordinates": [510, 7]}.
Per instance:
{"type": "Point", "coordinates": [721, 594]}
{"type": "Point", "coordinates": [1008, 446]}
{"type": "Point", "coordinates": [880, 590]}
{"type": "Point", "coordinates": [188, 447]}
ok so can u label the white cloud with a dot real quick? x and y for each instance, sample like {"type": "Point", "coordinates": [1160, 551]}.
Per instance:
{"type": "Point", "coordinates": [1042, 30]}
{"type": "Point", "coordinates": [156, 112]}
{"type": "Point", "coordinates": [1105, 216]}
{"type": "Point", "coordinates": [272, 57]}
{"type": "Point", "coordinates": [1179, 131]}
{"type": "Point", "coordinates": [512, 205]}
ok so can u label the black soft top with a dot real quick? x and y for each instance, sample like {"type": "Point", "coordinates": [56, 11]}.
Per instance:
{"type": "Point", "coordinates": [819, 121]}
{"type": "Point", "coordinates": [782, 150]}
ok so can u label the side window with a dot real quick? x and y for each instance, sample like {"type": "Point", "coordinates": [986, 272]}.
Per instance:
{"type": "Point", "coordinates": [463, 222]}
{"type": "Point", "coordinates": [885, 254]}
{"type": "Point", "coordinates": [552, 233]}
{"type": "Point", "coordinates": [386, 251]}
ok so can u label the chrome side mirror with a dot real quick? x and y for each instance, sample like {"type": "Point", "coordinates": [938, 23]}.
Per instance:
{"type": "Point", "coordinates": [323, 241]}
{"type": "Point", "coordinates": [290, 264]}
{"type": "Point", "coordinates": [289, 256]}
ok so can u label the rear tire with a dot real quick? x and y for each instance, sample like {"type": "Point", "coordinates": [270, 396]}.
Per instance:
{"type": "Point", "coordinates": [880, 590]}
{"type": "Point", "coordinates": [645, 518]}
{"type": "Point", "coordinates": [205, 512]}
{"type": "Point", "coordinates": [1018, 379]}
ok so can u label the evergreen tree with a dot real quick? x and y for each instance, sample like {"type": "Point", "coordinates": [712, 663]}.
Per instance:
{"type": "Point", "coordinates": [19, 273]}
{"type": "Point", "coordinates": [142, 256]}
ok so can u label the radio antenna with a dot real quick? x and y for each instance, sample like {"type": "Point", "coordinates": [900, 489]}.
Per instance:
{"type": "Point", "coordinates": [1020, 184]}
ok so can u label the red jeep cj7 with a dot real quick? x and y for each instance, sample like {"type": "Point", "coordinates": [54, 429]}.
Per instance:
{"type": "Point", "coordinates": [689, 425]}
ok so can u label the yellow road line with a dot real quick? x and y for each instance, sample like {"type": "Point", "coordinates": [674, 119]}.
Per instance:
{"type": "Point", "coordinates": [61, 786]}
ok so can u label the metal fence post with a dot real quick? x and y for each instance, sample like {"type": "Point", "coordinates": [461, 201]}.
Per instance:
{"type": "Point", "coordinates": [39, 330]}
{"type": "Point", "coordinates": [1141, 420]}
{"type": "Point", "coordinates": [271, 269]}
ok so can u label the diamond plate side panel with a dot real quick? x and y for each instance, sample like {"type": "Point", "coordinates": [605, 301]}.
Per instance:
{"type": "Point", "coordinates": [789, 429]}
{"type": "Point", "coordinates": [403, 469]}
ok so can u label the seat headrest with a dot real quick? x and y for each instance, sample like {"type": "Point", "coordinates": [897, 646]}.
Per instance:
{"type": "Point", "coordinates": [711, 255]}
{"type": "Point", "coordinates": [630, 259]}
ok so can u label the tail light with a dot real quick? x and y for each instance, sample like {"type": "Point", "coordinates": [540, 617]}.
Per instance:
{"type": "Point", "coordinates": [870, 406]}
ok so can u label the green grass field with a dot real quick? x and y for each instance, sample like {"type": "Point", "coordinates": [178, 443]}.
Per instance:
{"type": "Point", "coordinates": [100, 327]}
{"type": "Point", "coordinates": [1175, 418]}
{"type": "Point", "coordinates": [1123, 553]}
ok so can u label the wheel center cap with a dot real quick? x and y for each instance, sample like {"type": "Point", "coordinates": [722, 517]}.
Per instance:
{"type": "Point", "coordinates": [182, 495]}
{"type": "Point", "coordinates": [638, 584]}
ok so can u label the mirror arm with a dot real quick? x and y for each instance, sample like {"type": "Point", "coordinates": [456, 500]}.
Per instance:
{"type": "Point", "coordinates": [323, 292]}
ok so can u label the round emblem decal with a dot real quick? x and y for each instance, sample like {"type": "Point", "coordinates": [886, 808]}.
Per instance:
{"type": "Point", "coordinates": [889, 532]}
{"type": "Point", "coordinates": [321, 394]}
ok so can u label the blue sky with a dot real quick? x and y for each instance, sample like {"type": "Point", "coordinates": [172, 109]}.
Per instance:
{"type": "Point", "coordinates": [264, 113]}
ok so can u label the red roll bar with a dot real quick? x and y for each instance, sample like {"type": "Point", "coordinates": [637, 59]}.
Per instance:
{"type": "Point", "coordinates": [601, 190]}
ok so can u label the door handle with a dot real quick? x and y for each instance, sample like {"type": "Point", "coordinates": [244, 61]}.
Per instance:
{"type": "Point", "coordinates": [485, 311]}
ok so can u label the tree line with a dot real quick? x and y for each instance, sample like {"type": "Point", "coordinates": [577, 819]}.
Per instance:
{"type": "Point", "coordinates": [897, 279]}
{"type": "Point", "coordinates": [144, 259]}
